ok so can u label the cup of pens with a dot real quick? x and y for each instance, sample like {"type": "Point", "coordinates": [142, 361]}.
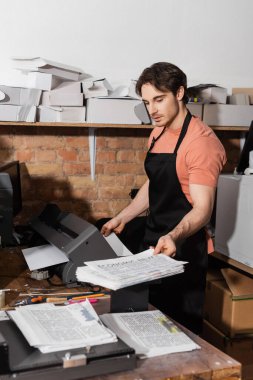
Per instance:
{"type": "Point", "coordinates": [2, 298]}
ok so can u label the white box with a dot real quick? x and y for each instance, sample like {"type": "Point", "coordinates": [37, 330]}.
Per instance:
{"type": "Point", "coordinates": [45, 66]}
{"type": "Point", "coordinates": [195, 109]}
{"type": "Point", "coordinates": [110, 110]}
{"type": "Point", "coordinates": [17, 113]}
{"type": "Point", "coordinates": [62, 114]}
{"type": "Point", "coordinates": [58, 98]}
{"type": "Point", "coordinates": [234, 218]}
{"type": "Point", "coordinates": [20, 96]}
{"type": "Point", "coordinates": [214, 94]}
{"type": "Point", "coordinates": [37, 80]}
{"type": "Point", "coordinates": [228, 115]}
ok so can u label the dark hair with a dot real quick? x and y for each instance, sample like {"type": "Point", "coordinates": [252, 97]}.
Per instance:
{"type": "Point", "coordinates": [165, 77]}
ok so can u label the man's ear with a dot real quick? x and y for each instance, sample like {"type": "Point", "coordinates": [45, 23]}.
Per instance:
{"type": "Point", "coordinates": [180, 93]}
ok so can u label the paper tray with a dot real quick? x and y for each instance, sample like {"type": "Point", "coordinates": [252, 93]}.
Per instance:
{"type": "Point", "coordinates": [18, 357]}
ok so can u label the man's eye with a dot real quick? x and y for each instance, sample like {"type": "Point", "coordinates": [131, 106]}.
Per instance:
{"type": "Point", "coordinates": [159, 100]}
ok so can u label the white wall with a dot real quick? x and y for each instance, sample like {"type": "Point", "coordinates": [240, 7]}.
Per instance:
{"type": "Point", "coordinates": [211, 40]}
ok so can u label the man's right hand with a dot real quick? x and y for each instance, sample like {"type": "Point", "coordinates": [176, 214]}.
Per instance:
{"type": "Point", "coordinates": [113, 225]}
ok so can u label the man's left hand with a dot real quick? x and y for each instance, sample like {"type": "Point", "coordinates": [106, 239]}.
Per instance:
{"type": "Point", "coordinates": [166, 245]}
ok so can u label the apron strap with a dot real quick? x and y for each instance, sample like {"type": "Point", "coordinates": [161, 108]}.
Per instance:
{"type": "Point", "coordinates": [154, 140]}
{"type": "Point", "coordinates": [184, 130]}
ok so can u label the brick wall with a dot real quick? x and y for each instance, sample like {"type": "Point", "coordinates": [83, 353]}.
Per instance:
{"type": "Point", "coordinates": [55, 167]}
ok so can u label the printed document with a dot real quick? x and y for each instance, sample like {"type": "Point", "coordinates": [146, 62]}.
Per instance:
{"type": "Point", "coordinates": [150, 333]}
{"type": "Point", "coordinates": [53, 328]}
{"type": "Point", "coordinates": [130, 270]}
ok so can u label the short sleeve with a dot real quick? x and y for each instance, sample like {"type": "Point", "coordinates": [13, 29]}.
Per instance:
{"type": "Point", "coordinates": [205, 159]}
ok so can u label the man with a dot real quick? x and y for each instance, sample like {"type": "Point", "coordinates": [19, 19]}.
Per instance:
{"type": "Point", "coordinates": [182, 164]}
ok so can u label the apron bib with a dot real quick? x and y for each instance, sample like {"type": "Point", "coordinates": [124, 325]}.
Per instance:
{"type": "Point", "coordinates": [180, 296]}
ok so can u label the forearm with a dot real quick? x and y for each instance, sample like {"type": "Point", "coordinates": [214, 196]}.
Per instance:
{"type": "Point", "coordinates": [138, 205]}
{"type": "Point", "coordinates": [191, 223]}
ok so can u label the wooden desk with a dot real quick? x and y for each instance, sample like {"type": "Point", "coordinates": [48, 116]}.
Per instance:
{"type": "Point", "coordinates": [208, 363]}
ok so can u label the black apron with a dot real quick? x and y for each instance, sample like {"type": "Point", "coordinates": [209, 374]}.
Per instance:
{"type": "Point", "coordinates": [180, 296]}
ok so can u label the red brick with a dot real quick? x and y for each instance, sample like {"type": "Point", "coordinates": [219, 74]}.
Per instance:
{"type": "Point", "coordinates": [45, 155]}
{"type": "Point", "coordinates": [119, 143]}
{"type": "Point", "coordinates": [126, 156]}
{"type": "Point", "coordinates": [24, 155]}
{"type": "Point", "coordinates": [75, 169]}
{"type": "Point", "coordinates": [80, 182]}
{"type": "Point", "coordinates": [44, 169]}
{"type": "Point", "coordinates": [67, 155]}
{"type": "Point", "coordinates": [121, 168]}
{"type": "Point", "coordinates": [106, 156]}
{"type": "Point", "coordinates": [77, 142]}
{"type": "Point", "coordinates": [84, 155]}
{"type": "Point", "coordinates": [113, 192]}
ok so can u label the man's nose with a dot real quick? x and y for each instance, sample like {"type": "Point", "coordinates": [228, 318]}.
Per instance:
{"type": "Point", "coordinates": [152, 109]}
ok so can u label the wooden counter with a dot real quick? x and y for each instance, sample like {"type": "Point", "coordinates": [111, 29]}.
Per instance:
{"type": "Point", "coordinates": [208, 363]}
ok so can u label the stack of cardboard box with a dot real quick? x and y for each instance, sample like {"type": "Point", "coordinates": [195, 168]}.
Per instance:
{"type": "Point", "coordinates": [228, 323]}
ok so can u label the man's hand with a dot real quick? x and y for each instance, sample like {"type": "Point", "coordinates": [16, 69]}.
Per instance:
{"type": "Point", "coordinates": [165, 245]}
{"type": "Point", "coordinates": [114, 225]}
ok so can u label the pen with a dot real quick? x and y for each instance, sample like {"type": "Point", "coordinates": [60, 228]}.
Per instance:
{"type": "Point", "coordinates": [91, 300]}
{"type": "Point", "coordinates": [88, 296]}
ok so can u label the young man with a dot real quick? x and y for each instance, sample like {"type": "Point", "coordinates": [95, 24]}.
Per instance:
{"type": "Point", "coordinates": [183, 163]}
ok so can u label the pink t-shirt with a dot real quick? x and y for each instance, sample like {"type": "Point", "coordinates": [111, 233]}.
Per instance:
{"type": "Point", "coordinates": [200, 156]}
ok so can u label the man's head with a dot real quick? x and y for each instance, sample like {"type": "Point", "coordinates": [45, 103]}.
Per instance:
{"type": "Point", "coordinates": [165, 77]}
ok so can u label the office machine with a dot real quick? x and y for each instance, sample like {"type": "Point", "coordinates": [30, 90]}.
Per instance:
{"type": "Point", "coordinates": [20, 360]}
{"type": "Point", "coordinates": [81, 241]}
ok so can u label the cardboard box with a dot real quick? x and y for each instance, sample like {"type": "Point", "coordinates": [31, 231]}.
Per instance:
{"type": "Point", "coordinates": [244, 90]}
{"type": "Point", "coordinates": [228, 115]}
{"type": "Point", "coordinates": [56, 98]}
{"type": "Point", "coordinates": [196, 109]}
{"type": "Point", "coordinates": [61, 114]}
{"type": "Point", "coordinates": [229, 303]}
{"type": "Point", "coordinates": [240, 349]}
{"type": "Point", "coordinates": [17, 113]}
{"type": "Point", "coordinates": [112, 110]}
{"type": "Point", "coordinates": [234, 217]}
{"type": "Point", "coordinates": [37, 80]}
{"type": "Point", "coordinates": [20, 96]}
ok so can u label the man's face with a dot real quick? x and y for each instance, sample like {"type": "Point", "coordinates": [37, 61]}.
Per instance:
{"type": "Point", "coordinates": [162, 106]}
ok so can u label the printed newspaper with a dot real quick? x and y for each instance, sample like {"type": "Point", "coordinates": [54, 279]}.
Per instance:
{"type": "Point", "coordinates": [53, 328]}
{"type": "Point", "coordinates": [130, 270]}
{"type": "Point", "coordinates": [150, 333]}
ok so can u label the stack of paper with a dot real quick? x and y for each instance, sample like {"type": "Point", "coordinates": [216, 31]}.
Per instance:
{"type": "Point", "coordinates": [150, 333]}
{"type": "Point", "coordinates": [50, 328]}
{"type": "Point", "coordinates": [130, 270]}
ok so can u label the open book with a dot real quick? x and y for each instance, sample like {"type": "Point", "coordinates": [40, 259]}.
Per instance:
{"type": "Point", "coordinates": [150, 333]}
{"type": "Point", "coordinates": [53, 328]}
{"type": "Point", "coordinates": [130, 270]}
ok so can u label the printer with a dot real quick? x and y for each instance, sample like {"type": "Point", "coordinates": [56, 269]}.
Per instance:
{"type": "Point", "coordinates": [81, 241]}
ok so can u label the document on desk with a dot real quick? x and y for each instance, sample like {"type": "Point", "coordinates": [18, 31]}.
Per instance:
{"type": "Point", "coordinates": [53, 328]}
{"type": "Point", "coordinates": [43, 256]}
{"type": "Point", "coordinates": [150, 333]}
{"type": "Point", "coordinates": [130, 270]}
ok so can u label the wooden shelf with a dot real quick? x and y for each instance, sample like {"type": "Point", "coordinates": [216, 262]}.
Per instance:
{"type": "Point", "coordinates": [96, 125]}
